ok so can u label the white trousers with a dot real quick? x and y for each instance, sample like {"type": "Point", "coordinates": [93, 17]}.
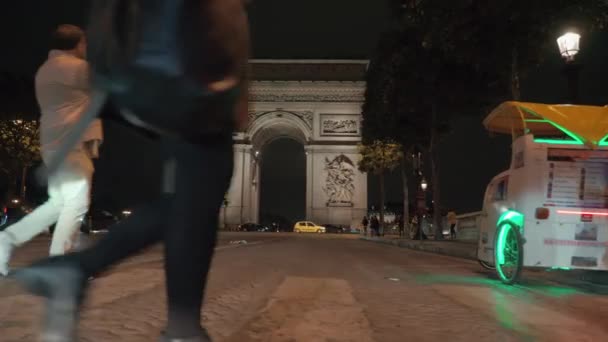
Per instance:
{"type": "Point", "coordinates": [69, 197]}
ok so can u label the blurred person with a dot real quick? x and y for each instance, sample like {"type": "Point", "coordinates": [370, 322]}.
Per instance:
{"type": "Point", "coordinates": [187, 85]}
{"type": "Point", "coordinates": [63, 93]}
{"type": "Point", "coordinates": [452, 221]}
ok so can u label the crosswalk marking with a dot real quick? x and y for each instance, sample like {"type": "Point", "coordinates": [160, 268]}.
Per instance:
{"type": "Point", "coordinates": [310, 309]}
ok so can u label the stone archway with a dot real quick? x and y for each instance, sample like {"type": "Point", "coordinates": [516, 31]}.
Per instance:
{"type": "Point", "coordinates": [266, 128]}
{"type": "Point", "coordinates": [322, 116]}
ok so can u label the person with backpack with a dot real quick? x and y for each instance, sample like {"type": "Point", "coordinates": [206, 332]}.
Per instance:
{"type": "Point", "coordinates": [176, 70]}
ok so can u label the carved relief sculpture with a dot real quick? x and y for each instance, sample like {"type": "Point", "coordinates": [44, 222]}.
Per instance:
{"type": "Point", "coordinates": [340, 182]}
{"type": "Point", "coordinates": [340, 125]}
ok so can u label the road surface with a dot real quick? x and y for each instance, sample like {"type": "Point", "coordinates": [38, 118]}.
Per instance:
{"type": "Point", "coordinates": [289, 287]}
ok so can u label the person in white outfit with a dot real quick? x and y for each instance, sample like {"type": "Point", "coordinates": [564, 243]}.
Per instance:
{"type": "Point", "coordinates": [63, 93]}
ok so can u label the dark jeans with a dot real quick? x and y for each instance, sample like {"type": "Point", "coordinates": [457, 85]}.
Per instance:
{"type": "Point", "coordinates": [453, 230]}
{"type": "Point", "coordinates": [185, 220]}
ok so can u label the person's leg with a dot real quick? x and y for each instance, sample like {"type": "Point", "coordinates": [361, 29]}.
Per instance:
{"type": "Point", "coordinates": [203, 175]}
{"type": "Point", "coordinates": [75, 192]}
{"type": "Point", "coordinates": [31, 225]}
{"type": "Point", "coordinates": [140, 230]}
{"type": "Point", "coordinates": [63, 279]}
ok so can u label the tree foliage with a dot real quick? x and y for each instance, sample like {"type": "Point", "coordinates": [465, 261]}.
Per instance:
{"type": "Point", "coordinates": [19, 149]}
{"type": "Point", "coordinates": [20, 141]}
{"type": "Point", "coordinates": [379, 157]}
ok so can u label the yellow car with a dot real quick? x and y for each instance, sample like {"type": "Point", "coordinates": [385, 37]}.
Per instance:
{"type": "Point", "coordinates": [308, 227]}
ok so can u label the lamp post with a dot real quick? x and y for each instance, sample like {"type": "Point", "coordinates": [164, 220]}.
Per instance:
{"type": "Point", "coordinates": [569, 47]}
{"type": "Point", "coordinates": [421, 207]}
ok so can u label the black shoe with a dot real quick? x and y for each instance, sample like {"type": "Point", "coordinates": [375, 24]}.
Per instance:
{"type": "Point", "coordinates": [202, 337]}
{"type": "Point", "coordinates": [63, 284]}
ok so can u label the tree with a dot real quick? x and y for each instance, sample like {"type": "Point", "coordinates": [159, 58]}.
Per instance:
{"type": "Point", "coordinates": [377, 158]}
{"type": "Point", "coordinates": [19, 149]}
{"type": "Point", "coordinates": [518, 33]}
{"type": "Point", "coordinates": [422, 76]}
{"type": "Point", "coordinates": [444, 59]}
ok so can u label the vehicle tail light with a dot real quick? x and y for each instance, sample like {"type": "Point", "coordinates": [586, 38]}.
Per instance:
{"type": "Point", "coordinates": [542, 213]}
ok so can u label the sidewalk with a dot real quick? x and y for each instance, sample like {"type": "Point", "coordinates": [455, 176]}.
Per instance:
{"type": "Point", "coordinates": [459, 249]}
{"type": "Point", "coordinates": [596, 282]}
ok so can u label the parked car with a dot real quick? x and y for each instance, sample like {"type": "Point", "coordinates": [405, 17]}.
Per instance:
{"type": "Point", "coordinates": [334, 229]}
{"type": "Point", "coordinates": [253, 227]}
{"type": "Point", "coordinates": [12, 213]}
{"type": "Point", "coordinates": [98, 221]}
{"type": "Point", "coordinates": [308, 227]}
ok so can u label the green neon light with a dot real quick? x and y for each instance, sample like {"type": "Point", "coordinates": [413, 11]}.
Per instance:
{"type": "Point", "coordinates": [604, 141]}
{"type": "Point", "coordinates": [510, 219]}
{"type": "Point", "coordinates": [513, 217]}
{"type": "Point", "coordinates": [501, 243]}
{"type": "Point", "coordinates": [575, 140]}
{"type": "Point", "coordinates": [557, 142]}
{"type": "Point", "coordinates": [500, 249]}
{"type": "Point", "coordinates": [561, 268]}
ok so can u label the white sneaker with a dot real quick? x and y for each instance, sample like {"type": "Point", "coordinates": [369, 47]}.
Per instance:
{"type": "Point", "coordinates": [6, 249]}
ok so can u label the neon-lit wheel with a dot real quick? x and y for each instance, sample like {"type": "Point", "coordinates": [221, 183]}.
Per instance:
{"type": "Point", "coordinates": [508, 253]}
{"type": "Point", "coordinates": [486, 265]}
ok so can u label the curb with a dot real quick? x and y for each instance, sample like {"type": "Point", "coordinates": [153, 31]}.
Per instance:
{"type": "Point", "coordinates": [596, 282]}
{"type": "Point", "coordinates": [431, 247]}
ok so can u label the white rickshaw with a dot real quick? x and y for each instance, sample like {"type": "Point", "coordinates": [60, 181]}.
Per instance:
{"type": "Point", "coordinates": [550, 209]}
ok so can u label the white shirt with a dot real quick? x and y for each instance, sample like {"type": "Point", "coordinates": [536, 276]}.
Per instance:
{"type": "Point", "coordinates": [63, 93]}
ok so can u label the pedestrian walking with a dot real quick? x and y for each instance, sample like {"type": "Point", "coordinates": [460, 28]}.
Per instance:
{"type": "Point", "coordinates": [375, 226]}
{"type": "Point", "coordinates": [452, 221]}
{"type": "Point", "coordinates": [181, 74]}
{"type": "Point", "coordinates": [63, 93]}
{"type": "Point", "coordinates": [365, 223]}
{"type": "Point", "coordinates": [401, 225]}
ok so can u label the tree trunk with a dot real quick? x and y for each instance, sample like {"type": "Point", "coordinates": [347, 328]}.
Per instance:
{"type": "Point", "coordinates": [12, 185]}
{"type": "Point", "coordinates": [406, 198]}
{"type": "Point", "coordinates": [515, 79]}
{"type": "Point", "coordinates": [433, 155]}
{"type": "Point", "coordinates": [23, 182]}
{"type": "Point", "coordinates": [382, 191]}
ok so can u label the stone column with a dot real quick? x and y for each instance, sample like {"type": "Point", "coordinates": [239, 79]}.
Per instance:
{"type": "Point", "coordinates": [310, 179]}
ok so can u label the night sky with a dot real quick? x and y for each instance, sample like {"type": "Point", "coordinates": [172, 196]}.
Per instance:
{"type": "Point", "coordinates": [298, 29]}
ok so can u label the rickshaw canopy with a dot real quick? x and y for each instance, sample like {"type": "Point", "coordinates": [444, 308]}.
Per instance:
{"type": "Point", "coordinates": [586, 125]}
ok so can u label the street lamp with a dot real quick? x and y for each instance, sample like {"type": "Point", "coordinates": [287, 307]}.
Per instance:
{"type": "Point", "coordinates": [423, 184]}
{"type": "Point", "coordinates": [569, 47]}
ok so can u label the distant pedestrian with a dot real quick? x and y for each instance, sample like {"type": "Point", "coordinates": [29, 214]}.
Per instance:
{"type": "Point", "coordinates": [375, 226]}
{"type": "Point", "coordinates": [401, 225]}
{"type": "Point", "coordinates": [452, 220]}
{"type": "Point", "coordinates": [364, 223]}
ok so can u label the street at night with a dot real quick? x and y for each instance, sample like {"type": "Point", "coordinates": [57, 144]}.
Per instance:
{"type": "Point", "coordinates": [393, 170]}
{"type": "Point", "coordinates": [289, 287]}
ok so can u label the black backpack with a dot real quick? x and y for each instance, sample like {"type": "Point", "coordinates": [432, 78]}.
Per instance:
{"type": "Point", "coordinates": [148, 58]}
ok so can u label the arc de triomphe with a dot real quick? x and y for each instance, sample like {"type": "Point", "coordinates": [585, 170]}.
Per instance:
{"type": "Point", "coordinates": [317, 103]}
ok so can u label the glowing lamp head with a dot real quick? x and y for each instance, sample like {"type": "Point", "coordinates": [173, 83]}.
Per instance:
{"type": "Point", "coordinates": [569, 45]}
{"type": "Point", "coordinates": [424, 185]}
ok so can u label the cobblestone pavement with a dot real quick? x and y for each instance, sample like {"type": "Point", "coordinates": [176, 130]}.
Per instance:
{"type": "Point", "coordinates": [287, 287]}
